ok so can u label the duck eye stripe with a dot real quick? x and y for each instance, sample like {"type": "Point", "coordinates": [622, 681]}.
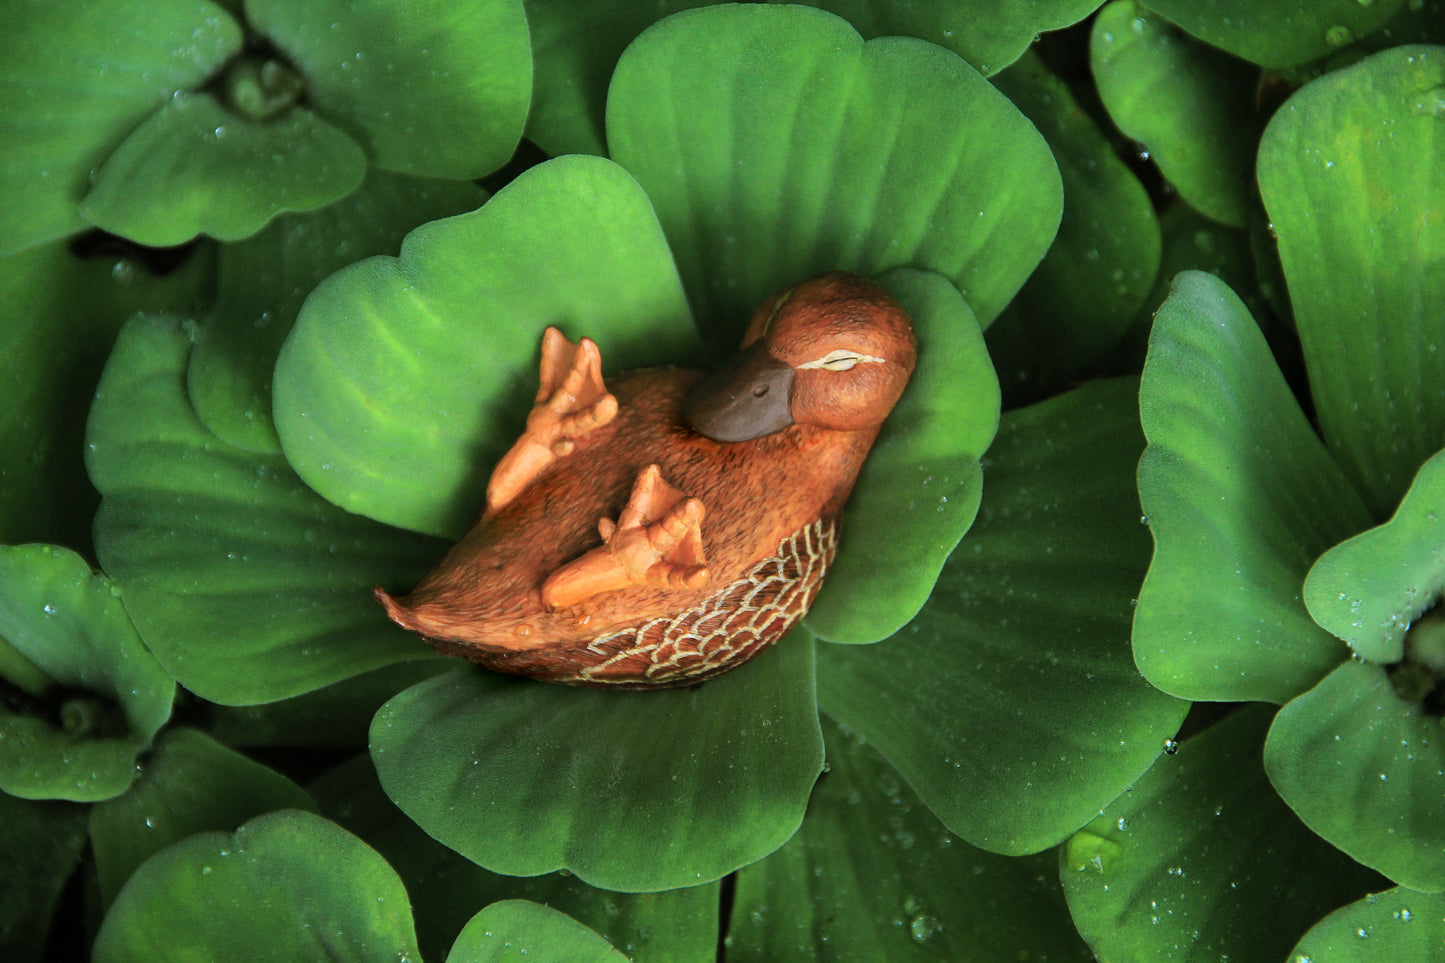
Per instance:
{"type": "Point", "coordinates": [840, 361]}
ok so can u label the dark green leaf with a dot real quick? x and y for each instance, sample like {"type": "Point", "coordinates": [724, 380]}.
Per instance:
{"type": "Point", "coordinates": [189, 784]}
{"type": "Point", "coordinates": [632, 791]}
{"type": "Point", "coordinates": [264, 280]}
{"type": "Point", "coordinates": [776, 145]}
{"type": "Point", "coordinates": [336, 717]}
{"type": "Point", "coordinates": [1366, 770]}
{"type": "Point", "coordinates": [59, 314]}
{"type": "Point", "coordinates": [246, 584]}
{"type": "Point", "coordinates": [1011, 703]}
{"type": "Point", "coordinates": [1397, 924]}
{"type": "Point", "coordinates": [1091, 284]}
{"type": "Point", "coordinates": [1191, 107]}
{"type": "Point", "coordinates": [1200, 861]}
{"type": "Point", "coordinates": [1352, 170]}
{"type": "Point", "coordinates": [75, 79]}
{"type": "Point", "coordinates": [1369, 589]}
{"type": "Point", "coordinates": [430, 87]}
{"type": "Point", "coordinates": [919, 490]}
{"type": "Point", "coordinates": [873, 875]}
{"type": "Point", "coordinates": [677, 926]}
{"type": "Point", "coordinates": [1278, 33]}
{"type": "Point", "coordinates": [40, 844]}
{"type": "Point", "coordinates": [406, 378]}
{"type": "Point", "coordinates": [576, 45]}
{"type": "Point", "coordinates": [514, 928]}
{"type": "Point", "coordinates": [195, 167]}
{"type": "Point", "coordinates": [1241, 498]}
{"type": "Point", "coordinates": [285, 886]}
{"type": "Point", "coordinates": [78, 739]}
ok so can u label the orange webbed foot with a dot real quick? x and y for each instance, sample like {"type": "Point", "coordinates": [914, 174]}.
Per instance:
{"type": "Point", "coordinates": [571, 401]}
{"type": "Point", "coordinates": [656, 540]}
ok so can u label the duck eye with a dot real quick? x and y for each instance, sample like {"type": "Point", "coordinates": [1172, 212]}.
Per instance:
{"type": "Point", "coordinates": [843, 362]}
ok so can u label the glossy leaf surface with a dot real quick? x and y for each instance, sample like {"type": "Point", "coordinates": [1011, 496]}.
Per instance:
{"type": "Point", "coordinates": [675, 926]}
{"type": "Point", "coordinates": [189, 784]}
{"type": "Point", "coordinates": [1366, 770]}
{"type": "Point", "coordinates": [429, 87]}
{"type": "Point", "coordinates": [1189, 106]}
{"type": "Point", "coordinates": [518, 929]}
{"type": "Point", "coordinates": [873, 875]}
{"type": "Point", "coordinates": [74, 86]}
{"type": "Point", "coordinates": [1241, 498]}
{"type": "Point", "coordinates": [1200, 861]}
{"type": "Point", "coordinates": [1352, 170]}
{"type": "Point", "coordinates": [631, 791]}
{"type": "Point", "coordinates": [776, 144]}
{"type": "Point", "coordinates": [78, 738]}
{"type": "Point", "coordinates": [576, 44]}
{"type": "Point", "coordinates": [1278, 33]}
{"type": "Point", "coordinates": [1398, 924]}
{"type": "Point", "coordinates": [1011, 704]}
{"type": "Point", "coordinates": [195, 167]}
{"type": "Point", "coordinates": [285, 886]}
{"type": "Point", "coordinates": [1370, 588]}
{"type": "Point", "coordinates": [204, 535]}
{"type": "Point", "coordinates": [264, 280]}
{"type": "Point", "coordinates": [920, 487]}
{"type": "Point", "coordinates": [406, 378]}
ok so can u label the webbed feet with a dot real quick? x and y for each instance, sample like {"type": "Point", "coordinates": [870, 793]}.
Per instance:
{"type": "Point", "coordinates": [656, 541]}
{"type": "Point", "coordinates": [572, 400]}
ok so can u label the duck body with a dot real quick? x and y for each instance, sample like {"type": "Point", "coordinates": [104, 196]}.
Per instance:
{"type": "Point", "coordinates": [741, 532]}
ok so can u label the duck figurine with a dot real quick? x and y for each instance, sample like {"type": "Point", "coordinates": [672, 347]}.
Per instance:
{"type": "Point", "coordinates": [666, 527]}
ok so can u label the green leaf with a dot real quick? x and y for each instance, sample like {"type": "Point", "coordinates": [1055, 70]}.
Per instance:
{"type": "Point", "coordinates": [1278, 33]}
{"type": "Point", "coordinates": [1352, 170]}
{"type": "Point", "coordinates": [195, 168]}
{"type": "Point", "coordinates": [777, 145]}
{"type": "Point", "coordinates": [1191, 107]}
{"type": "Point", "coordinates": [1102, 264]}
{"type": "Point", "coordinates": [74, 82]}
{"type": "Point", "coordinates": [1241, 498]}
{"type": "Point", "coordinates": [430, 87]}
{"type": "Point", "coordinates": [677, 926]}
{"type": "Point", "coordinates": [576, 46]}
{"type": "Point", "coordinates": [337, 716]}
{"type": "Point", "coordinates": [632, 791]}
{"type": "Point", "coordinates": [40, 845]}
{"type": "Point", "coordinates": [285, 886]}
{"type": "Point", "coordinates": [1370, 588]}
{"type": "Point", "coordinates": [1366, 770]}
{"type": "Point", "coordinates": [264, 280]}
{"type": "Point", "coordinates": [1200, 861]}
{"type": "Point", "coordinates": [406, 378]}
{"type": "Point", "coordinates": [919, 490]}
{"type": "Point", "coordinates": [1397, 924]}
{"type": "Point", "coordinates": [873, 875]}
{"type": "Point", "coordinates": [189, 784]}
{"type": "Point", "coordinates": [207, 538]}
{"type": "Point", "coordinates": [78, 740]}
{"type": "Point", "coordinates": [59, 319]}
{"type": "Point", "coordinates": [1193, 242]}
{"type": "Point", "coordinates": [514, 928]}
{"type": "Point", "coordinates": [1010, 704]}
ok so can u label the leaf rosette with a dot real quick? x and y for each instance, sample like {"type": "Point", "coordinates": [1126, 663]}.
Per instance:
{"type": "Point", "coordinates": [406, 377]}
{"type": "Point", "coordinates": [1268, 582]}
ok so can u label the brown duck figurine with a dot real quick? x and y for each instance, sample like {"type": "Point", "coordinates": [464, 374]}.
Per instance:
{"type": "Point", "coordinates": [669, 526]}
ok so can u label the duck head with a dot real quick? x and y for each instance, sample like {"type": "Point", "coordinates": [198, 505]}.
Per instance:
{"type": "Point", "coordinates": [833, 352]}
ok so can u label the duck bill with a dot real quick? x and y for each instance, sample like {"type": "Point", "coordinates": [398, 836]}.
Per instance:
{"type": "Point", "coordinates": [748, 398]}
